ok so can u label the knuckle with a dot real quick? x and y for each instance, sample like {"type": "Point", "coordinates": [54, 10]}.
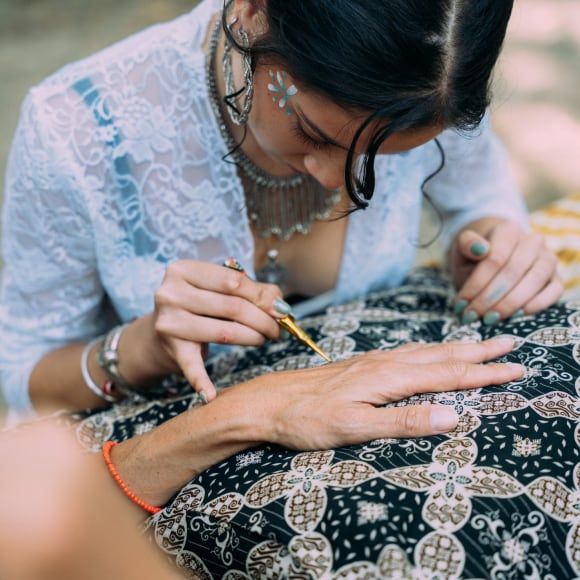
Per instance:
{"type": "Point", "coordinates": [161, 325]}
{"type": "Point", "coordinates": [408, 419]}
{"type": "Point", "coordinates": [266, 295]}
{"type": "Point", "coordinates": [497, 259]}
{"type": "Point", "coordinates": [456, 369]}
{"type": "Point", "coordinates": [232, 309]}
{"type": "Point", "coordinates": [449, 350]}
{"type": "Point", "coordinates": [163, 297]}
{"type": "Point", "coordinates": [225, 336]}
{"type": "Point", "coordinates": [233, 280]}
{"type": "Point", "coordinates": [273, 290]}
{"type": "Point", "coordinates": [176, 268]}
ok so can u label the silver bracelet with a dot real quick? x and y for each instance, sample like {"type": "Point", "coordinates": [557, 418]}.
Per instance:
{"type": "Point", "coordinates": [108, 358]}
{"type": "Point", "coordinates": [87, 376]}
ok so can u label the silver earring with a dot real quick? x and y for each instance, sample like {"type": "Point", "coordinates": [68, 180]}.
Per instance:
{"type": "Point", "coordinates": [238, 117]}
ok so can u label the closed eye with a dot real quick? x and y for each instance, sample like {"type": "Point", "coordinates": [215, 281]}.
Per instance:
{"type": "Point", "coordinates": [309, 141]}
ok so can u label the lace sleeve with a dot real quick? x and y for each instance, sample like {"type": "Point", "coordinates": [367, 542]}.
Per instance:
{"type": "Point", "coordinates": [476, 181]}
{"type": "Point", "coordinates": [50, 293]}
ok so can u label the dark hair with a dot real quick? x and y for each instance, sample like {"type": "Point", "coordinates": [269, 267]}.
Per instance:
{"type": "Point", "coordinates": [410, 63]}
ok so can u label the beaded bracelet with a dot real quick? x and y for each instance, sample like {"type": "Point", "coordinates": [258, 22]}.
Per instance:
{"type": "Point", "coordinates": [115, 475]}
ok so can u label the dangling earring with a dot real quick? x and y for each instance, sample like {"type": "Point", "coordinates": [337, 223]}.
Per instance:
{"type": "Point", "coordinates": [238, 117]}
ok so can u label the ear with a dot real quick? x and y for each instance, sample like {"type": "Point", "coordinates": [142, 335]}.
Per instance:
{"type": "Point", "coordinates": [251, 16]}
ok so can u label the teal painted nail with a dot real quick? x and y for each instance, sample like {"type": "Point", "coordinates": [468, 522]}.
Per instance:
{"type": "Point", "coordinates": [460, 306]}
{"type": "Point", "coordinates": [479, 249]}
{"type": "Point", "coordinates": [518, 314]}
{"type": "Point", "coordinates": [469, 317]}
{"type": "Point", "coordinates": [284, 334]}
{"type": "Point", "coordinates": [282, 307]}
{"type": "Point", "coordinates": [491, 318]}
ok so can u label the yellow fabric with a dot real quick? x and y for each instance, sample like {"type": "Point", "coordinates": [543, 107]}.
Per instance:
{"type": "Point", "coordinates": [559, 223]}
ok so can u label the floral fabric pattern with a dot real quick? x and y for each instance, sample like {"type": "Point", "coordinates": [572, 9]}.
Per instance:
{"type": "Point", "coordinates": [497, 498]}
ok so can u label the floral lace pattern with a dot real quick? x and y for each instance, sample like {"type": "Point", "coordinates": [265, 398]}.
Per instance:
{"type": "Point", "coordinates": [507, 480]}
{"type": "Point", "coordinates": [117, 170]}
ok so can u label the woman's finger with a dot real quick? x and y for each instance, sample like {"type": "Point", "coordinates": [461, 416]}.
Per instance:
{"type": "Point", "coordinates": [451, 375]}
{"type": "Point", "coordinates": [548, 296]}
{"type": "Point", "coordinates": [523, 259]}
{"type": "Point", "coordinates": [215, 305]}
{"type": "Point", "coordinates": [409, 421]}
{"type": "Point", "coordinates": [476, 352]}
{"type": "Point", "coordinates": [227, 281]}
{"type": "Point", "coordinates": [503, 242]}
{"type": "Point", "coordinates": [189, 357]}
{"type": "Point", "coordinates": [473, 245]}
{"type": "Point", "coordinates": [536, 279]}
{"type": "Point", "coordinates": [182, 325]}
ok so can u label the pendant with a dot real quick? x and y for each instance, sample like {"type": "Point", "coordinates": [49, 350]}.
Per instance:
{"type": "Point", "coordinates": [272, 272]}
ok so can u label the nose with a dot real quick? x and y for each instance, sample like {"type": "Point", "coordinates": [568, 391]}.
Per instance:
{"type": "Point", "coordinates": [329, 174]}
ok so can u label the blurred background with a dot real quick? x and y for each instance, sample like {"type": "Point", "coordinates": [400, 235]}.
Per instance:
{"type": "Point", "coordinates": [537, 89]}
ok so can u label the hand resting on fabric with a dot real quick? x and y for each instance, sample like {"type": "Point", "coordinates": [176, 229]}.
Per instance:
{"type": "Point", "coordinates": [320, 408]}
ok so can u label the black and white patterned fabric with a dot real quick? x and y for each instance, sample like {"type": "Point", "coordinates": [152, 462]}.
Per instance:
{"type": "Point", "coordinates": [497, 498]}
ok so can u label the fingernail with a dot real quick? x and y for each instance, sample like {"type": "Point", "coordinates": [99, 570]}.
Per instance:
{"type": "Point", "coordinates": [515, 366]}
{"type": "Point", "coordinates": [479, 249]}
{"type": "Point", "coordinates": [469, 317]}
{"type": "Point", "coordinates": [443, 419]}
{"type": "Point", "coordinates": [460, 306]}
{"type": "Point", "coordinates": [282, 307]}
{"type": "Point", "coordinates": [518, 314]}
{"type": "Point", "coordinates": [284, 334]}
{"type": "Point", "coordinates": [505, 341]}
{"type": "Point", "coordinates": [491, 318]}
{"type": "Point", "coordinates": [203, 397]}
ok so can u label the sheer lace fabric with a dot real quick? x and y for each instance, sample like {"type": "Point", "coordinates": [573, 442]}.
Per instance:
{"type": "Point", "coordinates": [116, 171]}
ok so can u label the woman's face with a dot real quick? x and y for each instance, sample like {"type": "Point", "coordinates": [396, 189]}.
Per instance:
{"type": "Point", "coordinates": [310, 133]}
{"type": "Point", "coordinates": [298, 130]}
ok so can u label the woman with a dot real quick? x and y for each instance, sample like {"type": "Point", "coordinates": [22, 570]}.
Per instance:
{"type": "Point", "coordinates": [127, 189]}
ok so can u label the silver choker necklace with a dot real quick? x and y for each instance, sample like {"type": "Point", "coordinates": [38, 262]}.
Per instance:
{"type": "Point", "coordinates": [278, 206]}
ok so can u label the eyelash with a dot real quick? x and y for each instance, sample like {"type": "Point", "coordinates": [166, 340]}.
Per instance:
{"type": "Point", "coordinates": [307, 139]}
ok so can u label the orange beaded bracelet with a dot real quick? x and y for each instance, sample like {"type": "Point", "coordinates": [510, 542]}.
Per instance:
{"type": "Point", "coordinates": [115, 474]}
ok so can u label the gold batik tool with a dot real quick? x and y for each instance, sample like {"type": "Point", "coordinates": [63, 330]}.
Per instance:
{"type": "Point", "coordinates": [288, 322]}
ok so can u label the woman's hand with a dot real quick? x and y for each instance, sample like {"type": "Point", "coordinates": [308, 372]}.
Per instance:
{"type": "Point", "coordinates": [502, 271]}
{"type": "Point", "coordinates": [341, 403]}
{"type": "Point", "coordinates": [323, 408]}
{"type": "Point", "coordinates": [200, 303]}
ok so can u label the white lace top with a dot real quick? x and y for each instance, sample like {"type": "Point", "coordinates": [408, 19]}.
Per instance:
{"type": "Point", "coordinates": [116, 170]}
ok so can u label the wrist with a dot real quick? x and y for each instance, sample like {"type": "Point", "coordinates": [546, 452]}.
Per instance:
{"type": "Point", "coordinates": [253, 409]}
{"type": "Point", "coordinates": [141, 359]}
{"type": "Point", "coordinates": [159, 463]}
